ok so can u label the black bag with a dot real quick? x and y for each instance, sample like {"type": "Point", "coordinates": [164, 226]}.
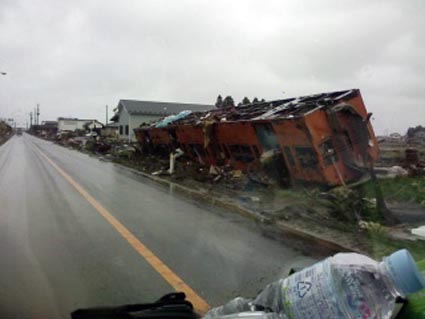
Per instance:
{"type": "Point", "coordinates": [170, 306]}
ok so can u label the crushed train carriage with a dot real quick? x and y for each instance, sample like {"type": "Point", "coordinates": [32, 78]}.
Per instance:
{"type": "Point", "coordinates": [324, 138]}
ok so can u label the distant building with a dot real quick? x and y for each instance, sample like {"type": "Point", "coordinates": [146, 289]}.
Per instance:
{"type": "Point", "coordinates": [397, 136]}
{"type": "Point", "coordinates": [418, 138]}
{"type": "Point", "coordinates": [130, 114]}
{"type": "Point", "coordinates": [49, 123]}
{"type": "Point", "coordinates": [45, 129]}
{"type": "Point", "coordinates": [5, 129]}
{"type": "Point", "coordinates": [110, 130]}
{"type": "Point", "coordinates": [74, 124]}
{"type": "Point", "coordinates": [392, 139]}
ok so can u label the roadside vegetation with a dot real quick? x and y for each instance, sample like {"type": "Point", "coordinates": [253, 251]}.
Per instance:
{"type": "Point", "coordinates": [400, 189]}
{"type": "Point", "coordinates": [5, 132]}
{"type": "Point", "coordinates": [381, 244]}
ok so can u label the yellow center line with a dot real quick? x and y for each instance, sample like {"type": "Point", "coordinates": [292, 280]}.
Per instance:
{"type": "Point", "coordinates": [175, 281]}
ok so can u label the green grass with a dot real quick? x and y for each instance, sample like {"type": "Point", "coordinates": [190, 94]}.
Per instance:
{"type": "Point", "coordinates": [402, 189]}
{"type": "Point", "coordinates": [289, 193]}
{"type": "Point", "coordinates": [381, 245]}
{"type": "Point", "coordinates": [396, 154]}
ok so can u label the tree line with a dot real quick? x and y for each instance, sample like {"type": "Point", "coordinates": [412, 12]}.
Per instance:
{"type": "Point", "coordinates": [229, 102]}
{"type": "Point", "coordinates": [411, 131]}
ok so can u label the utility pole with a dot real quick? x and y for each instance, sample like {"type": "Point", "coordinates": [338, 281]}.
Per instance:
{"type": "Point", "coordinates": [38, 114]}
{"type": "Point", "coordinates": [106, 122]}
{"type": "Point", "coordinates": [30, 119]}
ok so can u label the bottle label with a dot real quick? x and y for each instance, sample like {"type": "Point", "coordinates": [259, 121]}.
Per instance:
{"type": "Point", "coordinates": [355, 283]}
{"type": "Point", "coordinates": [309, 294]}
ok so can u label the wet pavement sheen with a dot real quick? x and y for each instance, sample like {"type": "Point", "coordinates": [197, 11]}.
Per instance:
{"type": "Point", "coordinates": [59, 254]}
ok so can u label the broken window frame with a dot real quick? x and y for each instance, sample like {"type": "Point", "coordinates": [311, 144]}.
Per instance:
{"type": "Point", "coordinates": [256, 151]}
{"type": "Point", "coordinates": [347, 139]}
{"type": "Point", "coordinates": [328, 152]}
{"type": "Point", "coordinates": [226, 151]}
{"type": "Point", "coordinates": [197, 150]}
{"type": "Point", "coordinates": [306, 156]}
{"type": "Point", "coordinates": [288, 153]}
{"type": "Point", "coordinates": [266, 136]}
{"type": "Point", "coordinates": [241, 153]}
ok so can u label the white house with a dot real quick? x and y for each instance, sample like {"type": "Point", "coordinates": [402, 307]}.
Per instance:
{"type": "Point", "coordinates": [74, 124]}
{"type": "Point", "coordinates": [131, 113]}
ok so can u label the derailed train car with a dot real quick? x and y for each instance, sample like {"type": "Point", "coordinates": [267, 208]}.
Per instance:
{"type": "Point", "coordinates": [324, 138]}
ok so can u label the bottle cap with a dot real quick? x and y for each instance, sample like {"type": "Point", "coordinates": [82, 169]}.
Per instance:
{"type": "Point", "coordinates": [404, 272]}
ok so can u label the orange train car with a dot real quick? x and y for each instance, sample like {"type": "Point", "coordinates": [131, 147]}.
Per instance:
{"type": "Point", "coordinates": [330, 141]}
{"type": "Point", "coordinates": [244, 142]}
{"type": "Point", "coordinates": [324, 138]}
{"type": "Point", "coordinates": [159, 141]}
{"type": "Point", "coordinates": [197, 142]}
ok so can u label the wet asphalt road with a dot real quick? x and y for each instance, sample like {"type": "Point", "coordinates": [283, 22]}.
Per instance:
{"type": "Point", "coordinates": [58, 253]}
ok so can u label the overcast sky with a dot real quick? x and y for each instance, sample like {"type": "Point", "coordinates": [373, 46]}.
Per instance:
{"type": "Point", "coordinates": [75, 57]}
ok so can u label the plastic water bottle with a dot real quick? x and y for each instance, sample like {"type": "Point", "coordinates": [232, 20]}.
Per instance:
{"type": "Point", "coordinates": [241, 308]}
{"type": "Point", "coordinates": [236, 305]}
{"type": "Point", "coordinates": [345, 286]}
{"type": "Point", "coordinates": [253, 315]}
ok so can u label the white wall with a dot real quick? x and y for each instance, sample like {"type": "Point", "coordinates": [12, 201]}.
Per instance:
{"type": "Point", "coordinates": [136, 120]}
{"type": "Point", "coordinates": [67, 125]}
{"type": "Point", "coordinates": [123, 121]}
{"type": "Point", "coordinates": [80, 124]}
{"type": "Point", "coordinates": [133, 122]}
{"type": "Point", "coordinates": [71, 125]}
{"type": "Point", "coordinates": [94, 124]}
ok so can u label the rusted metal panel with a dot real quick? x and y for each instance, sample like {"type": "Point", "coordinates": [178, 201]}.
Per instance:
{"type": "Point", "coordinates": [358, 104]}
{"type": "Point", "coordinates": [326, 147]}
{"type": "Point", "coordinates": [141, 136]}
{"type": "Point", "coordinates": [238, 142]}
{"type": "Point", "coordinates": [355, 101]}
{"type": "Point", "coordinates": [190, 134]}
{"type": "Point", "coordinates": [197, 143]}
{"type": "Point", "coordinates": [343, 139]}
{"type": "Point", "coordinates": [144, 140]}
{"type": "Point", "coordinates": [160, 136]}
{"type": "Point", "coordinates": [156, 141]}
{"type": "Point", "coordinates": [298, 150]}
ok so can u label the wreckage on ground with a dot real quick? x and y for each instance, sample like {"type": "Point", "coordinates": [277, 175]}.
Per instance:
{"type": "Point", "coordinates": [324, 138]}
{"type": "Point", "coordinates": [5, 131]}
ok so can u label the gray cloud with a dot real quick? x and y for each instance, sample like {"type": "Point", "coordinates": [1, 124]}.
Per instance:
{"type": "Point", "coordinates": [76, 57]}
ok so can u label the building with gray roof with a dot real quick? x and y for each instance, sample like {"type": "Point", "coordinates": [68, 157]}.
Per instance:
{"type": "Point", "coordinates": [130, 114]}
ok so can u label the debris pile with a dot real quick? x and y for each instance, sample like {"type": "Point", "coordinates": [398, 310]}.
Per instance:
{"type": "Point", "coordinates": [47, 130]}
{"type": "Point", "coordinates": [5, 131]}
{"type": "Point", "coordinates": [323, 138]}
{"type": "Point", "coordinates": [407, 151]}
{"type": "Point", "coordinates": [412, 163]}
